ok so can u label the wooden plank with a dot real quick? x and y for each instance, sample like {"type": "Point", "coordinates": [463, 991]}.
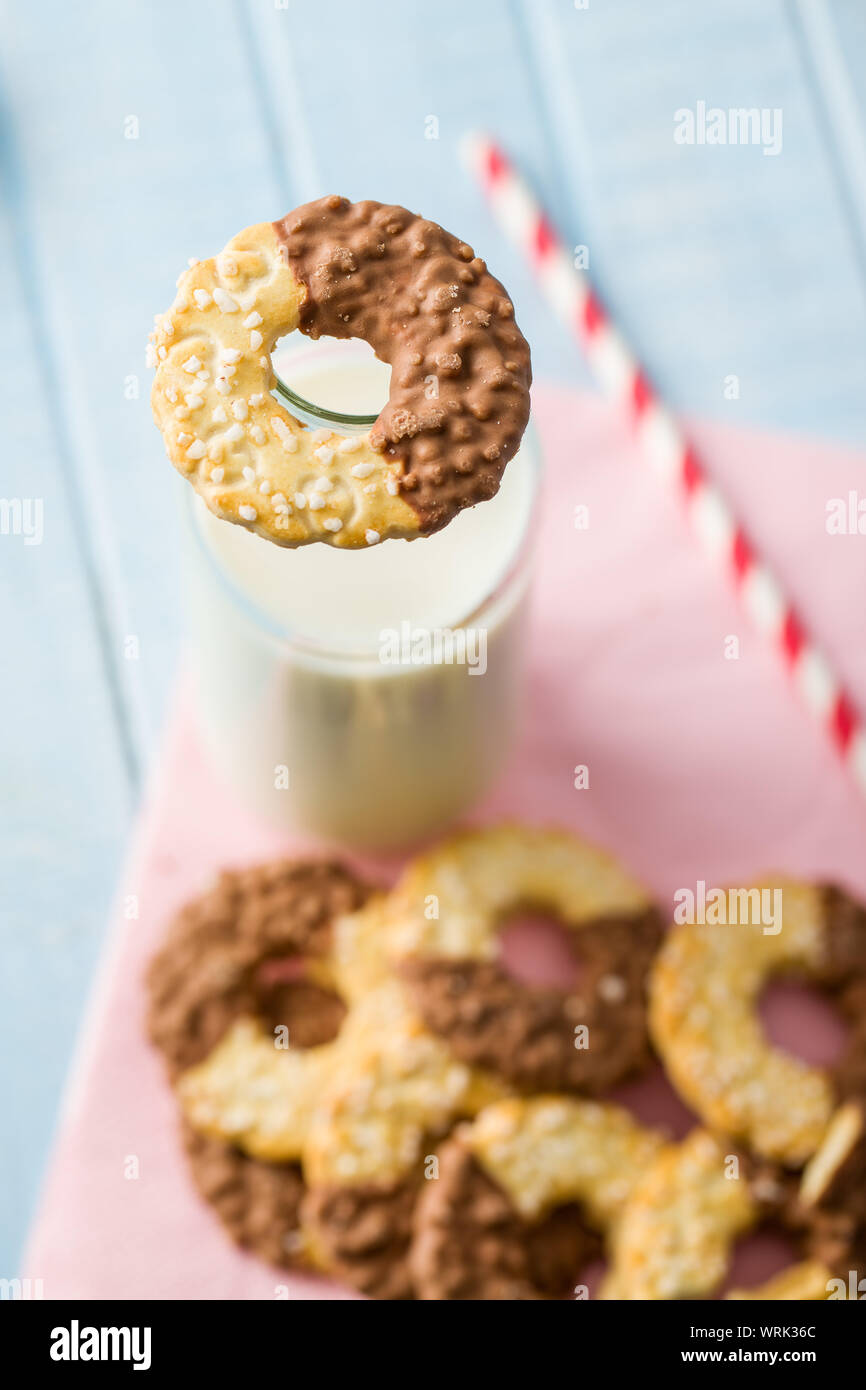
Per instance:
{"type": "Point", "coordinates": [114, 220]}
{"type": "Point", "coordinates": [103, 226]}
{"type": "Point", "coordinates": [355, 92]}
{"type": "Point", "coordinates": [66, 796]}
{"type": "Point", "coordinates": [833, 44]}
{"type": "Point", "coordinates": [717, 260]}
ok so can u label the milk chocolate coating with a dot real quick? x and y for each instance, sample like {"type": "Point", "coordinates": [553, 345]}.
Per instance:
{"type": "Point", "coordinates": [206, 973]}
{"type": "Point", "coordinates": [428, 306]}
{"type": "Point", "coordinates": [843, 975]}
{"type": "Point", "coordinates": [526, 1034]}
{"type": "Point", "coordinates": [258, 1203]}
{"type": "Point", "coordinates": [364, 1230]}
{"type": "Point", "coordinates": [470, 1243]}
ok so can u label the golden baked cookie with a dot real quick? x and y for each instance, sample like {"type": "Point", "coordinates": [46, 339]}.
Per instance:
{"type": "Point", "coordinates": [244, 1005]}
{"type": "Point", "coordinates": [445, 914]}
{"type": "Point", "coordinates": [705, 988]}
{"type": "Point", "coordinates": [685, 1215]}
{"type": "Point", "coordinates": [832, 1201]}
{"type": "Point", "coordinates": [523, 1195]}
{"type": "Point", "coordinates": [459, 399]}
{"type": "Point", "coordinates": [394, 1089]}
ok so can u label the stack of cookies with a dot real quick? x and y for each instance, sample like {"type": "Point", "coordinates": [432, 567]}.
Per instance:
{"type": "Point", "coordinates": [366, 1091]}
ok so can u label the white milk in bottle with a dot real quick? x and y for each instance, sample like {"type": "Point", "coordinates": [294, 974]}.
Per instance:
{"type": "Point", "coordinates": [366, 696]}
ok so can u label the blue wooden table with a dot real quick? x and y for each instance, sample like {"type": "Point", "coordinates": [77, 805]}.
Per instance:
{"type": "Point", "coordinates": [136, 133]}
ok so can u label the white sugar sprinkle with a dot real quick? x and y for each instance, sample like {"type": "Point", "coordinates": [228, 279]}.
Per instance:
{"type": "Point", "coordinates": [196, 450]}
{"type": "Point", "coordinates": [202, 298]}
{"type": "Point", "coordinates": [249, 474]}
{"type": "Point", "coordinates": [280, 499]}
{"type": "Point", "coordinates": [194, 401]}
{"type": "Point", "coordinates": [239, 410]}
{"type": "Point", "coordinates": [256, 339]}
{"type": "Point", "coordinates": [161, 353]}
{"type": "Point", "coordinates": [263, 361]}
{"type": "Point", "coordinates": [203, 375]}
{"type": "Point", "coordinates": [224, 301]}
{"type": "Point", "coordinates": [348, 446]}
{"type": "Point", "coordinates": [192, 260]}
{"type": "Point", "coordinates": [317, 502]}
{"type": "Point", "coordinates": [248, 513]}
{"type": "Point", "coordinates": [219, 416]}
{"type": "Point", "coordinates": [392, 486]}
{"type": "Point", "coordinates": [333, 523]}
{"type": "Point", "coordinates": [184, 439]}
{"type": "Point", "coordinates": [223, 385]}
{"type": "Point", "coordinates": [227, 266]}
{"type": "Point", "coordinates": [217, 475]}
{"type": "Point", "coordinates": [265, 486]}
{"type": "Point", "coordinates": [229, 354]}
{"type": "Point", "coordinates": [324, 454]}
{"type": "Point", "coordinates": [253, 320]}
{"type": "Point", "coordinates": [234, 433]}
{"type": "Point", "coordinates": [300, 501]}
{"type": "Point", "coordinates": [323, 485]}
{"type": "Point", "coordinates": [257, 398]}
{"type": "Point", "coordinates": [150, 357]}
{"type": "Point", "coordinates": [258, 434]}
{"type": "Point", "coordinates": [361, 470]}
{"type": "Point", "coordinates": [192, 365]}
{"type": "Point", "coordinates": [372, 537]}
{"type": "Point", "coordinates": [284, 434]}
{"type": "Point", "coordinates": [181, 412]}
{"type": "Point", "coordinates": [171, 394]}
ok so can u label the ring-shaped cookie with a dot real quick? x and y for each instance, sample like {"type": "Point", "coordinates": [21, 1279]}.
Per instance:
{"type": "Point", "coordinates": [459, 399]}
{"type": "Point", "coordinates": [523, 1195]}
{"type": "Point", "coordinates": [705, 988]}
{"type": "Point", "coordinates": [217, 991]}
{"type": "Point", "coordinates": [393, 1091]}
{"type": "Point", "coordinates": [684, 1216]}
{"type": "Point", "coordinates": [447, 911]}
{"type": "Point", "coordinates": [832, 1200]}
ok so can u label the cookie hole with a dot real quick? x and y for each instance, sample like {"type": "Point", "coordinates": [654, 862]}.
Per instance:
{"type": "Point", "coordinates": [758, 1256]}
{"type": "Point", "coordinates": [653, 1101]}
{"type": "Point", "coordinates": [561, 1253]}
{"type": "Point", "coordinates": [312, 1013]}
{"type": "Point", "coordinates": [802, 1022]}
{"type": "Point", "coordinates": [331, 383]}
{"type": "Point", "coordinates": [539, 951]}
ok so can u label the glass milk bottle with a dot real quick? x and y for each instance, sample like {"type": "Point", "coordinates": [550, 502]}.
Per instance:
{"type": "Point", "coordinates": [366, 697]}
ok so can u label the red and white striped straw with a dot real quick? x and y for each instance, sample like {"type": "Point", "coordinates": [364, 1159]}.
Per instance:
{"type": "Point", "coordinates": [621, 376]}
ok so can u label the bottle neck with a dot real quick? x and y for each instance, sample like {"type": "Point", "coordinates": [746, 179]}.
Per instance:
{"type": "Point", "coordinates": [317, 417]}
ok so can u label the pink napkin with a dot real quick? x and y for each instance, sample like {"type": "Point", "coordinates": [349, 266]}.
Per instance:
{"type": "Point", "coordinates": [700, 767]}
